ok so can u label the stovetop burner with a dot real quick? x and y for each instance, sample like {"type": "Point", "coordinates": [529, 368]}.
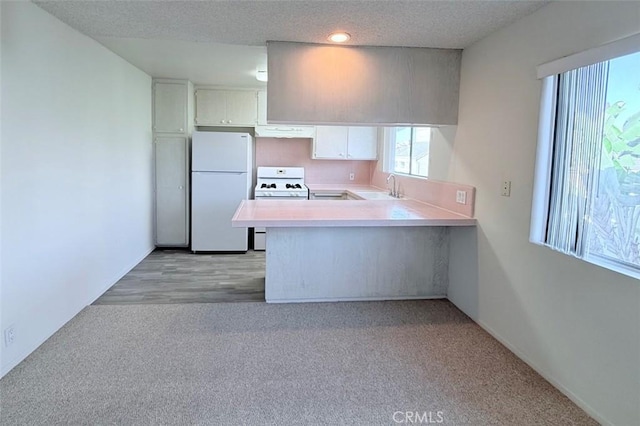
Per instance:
{"type": "Point", "coordinates": [281, 181]}
{"type": "Point", "coordinates": [275, 186]}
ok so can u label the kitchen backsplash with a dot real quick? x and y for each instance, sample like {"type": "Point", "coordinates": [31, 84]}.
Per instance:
{"type": "Point", "coordinates": [297, 153]}
{"type": "Point", "coordinates": [438, 193]}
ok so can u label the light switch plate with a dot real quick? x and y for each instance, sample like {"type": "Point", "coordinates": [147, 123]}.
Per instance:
{"type": "Point", "coordinates": [461, 197]}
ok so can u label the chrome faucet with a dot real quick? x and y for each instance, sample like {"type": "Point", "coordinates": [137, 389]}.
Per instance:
{"type": "Point", "coordinates": [392, 191]}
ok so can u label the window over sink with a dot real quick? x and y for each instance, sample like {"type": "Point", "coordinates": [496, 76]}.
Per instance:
{"type": "Point", "coordinates": [407, 150]}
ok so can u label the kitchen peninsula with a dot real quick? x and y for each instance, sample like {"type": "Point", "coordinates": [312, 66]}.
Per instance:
{"type": "Point", "coordinates": [354, 249]}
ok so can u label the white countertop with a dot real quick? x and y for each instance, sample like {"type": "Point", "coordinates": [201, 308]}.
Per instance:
{"type": "Point", "coordinates": [337, 213]}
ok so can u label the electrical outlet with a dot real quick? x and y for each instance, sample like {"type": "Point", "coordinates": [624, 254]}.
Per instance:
{"type": "Point", "coordinates": [352, 176]}
{"type": "Point", "coordinates": [506, 188]}
{"type": "Point", "coordinates": [9, 335]}
{"type": "Point", "coordinates": [461, 197]}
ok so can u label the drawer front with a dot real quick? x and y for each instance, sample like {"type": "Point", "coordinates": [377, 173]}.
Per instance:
{"type": "Point", "coordinates": [259, 240]}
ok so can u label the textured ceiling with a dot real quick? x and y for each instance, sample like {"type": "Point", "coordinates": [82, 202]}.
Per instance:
{"type": "Point", "coordinates": [223, 42]}
{"type": "Point", "coordinates": [201, 63]}
{"type": "Point", "coordinates": [445, 24]}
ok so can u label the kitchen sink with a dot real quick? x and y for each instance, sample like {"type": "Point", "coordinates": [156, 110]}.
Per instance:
{"type": "Point", "coordinates": [373, 195]}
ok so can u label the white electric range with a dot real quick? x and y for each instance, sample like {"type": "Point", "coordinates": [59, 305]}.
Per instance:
{"type": "Point", "coordinates": [278, 183]}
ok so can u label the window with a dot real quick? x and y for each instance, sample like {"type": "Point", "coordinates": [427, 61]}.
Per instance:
{"type": "Point", "coordinates": [408, 150]}
{"type": "Point", "coordinates": [587, 195]}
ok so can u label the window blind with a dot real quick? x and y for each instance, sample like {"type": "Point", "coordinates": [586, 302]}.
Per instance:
{"type": "Point", "coordinates": [581, 95]}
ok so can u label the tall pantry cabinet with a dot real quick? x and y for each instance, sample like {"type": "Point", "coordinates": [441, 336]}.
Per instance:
{"type": "Point", "coordinates": [172, 118]}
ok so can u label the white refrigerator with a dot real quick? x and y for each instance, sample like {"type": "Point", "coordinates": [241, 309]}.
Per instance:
{"type": "Point", "coordinates": [221, 165]}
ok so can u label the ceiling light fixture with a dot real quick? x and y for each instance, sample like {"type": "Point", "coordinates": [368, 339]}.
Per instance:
{"type": "Point", "coordinates": [261, 75]}
{"type": "Point", "coordinates": [339, 37]}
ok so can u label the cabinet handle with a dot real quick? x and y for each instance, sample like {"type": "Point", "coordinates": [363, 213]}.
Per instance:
{"type": "Point", "coordinates": [222, 121]}
{"type": "Point", "coordinates": [229, 121]}
{"type": "Point", "coordinates": [181, 130]}
{"type": "Point", "coordinates": [341, 155]}
{"type": "Point", "coordinates": [181, 187]}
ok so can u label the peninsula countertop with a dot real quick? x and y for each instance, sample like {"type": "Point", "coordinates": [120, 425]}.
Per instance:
{"type": "Point", "coordinates": [345, 213]}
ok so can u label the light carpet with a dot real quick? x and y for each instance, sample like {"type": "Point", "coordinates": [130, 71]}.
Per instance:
{"type": "Point", "coordinates": [369, 363]}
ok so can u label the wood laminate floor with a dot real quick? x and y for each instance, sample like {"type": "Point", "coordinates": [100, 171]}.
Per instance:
{"type": "Point", "coordinates": [175, 276]}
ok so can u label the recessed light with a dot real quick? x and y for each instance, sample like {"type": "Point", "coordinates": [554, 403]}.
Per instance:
{"type": "Point", "coordinates": [339, 37]}
{"type": "Point", "coordinates": [261, 75]}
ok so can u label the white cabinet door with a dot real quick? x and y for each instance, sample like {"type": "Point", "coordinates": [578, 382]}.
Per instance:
{"type": "Point", "coordinates": [330, 142]}
{"type": "Point", "coordinates": [211, 109]}
{"type": "Point", "coordinates": [226, 107]}
{"type": "Point", "coordinates": [242, 108]}
{"type": "Point", "coordinates": [172, 217]}
{"type": "Point", "coordinates": [169, 107]}
{"type": "Point", "coordinates": [346, 143]}
{"type": "Point", "coordinates": [363, 143]}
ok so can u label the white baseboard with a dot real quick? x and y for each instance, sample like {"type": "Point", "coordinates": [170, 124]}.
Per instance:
{"type": "Point", "coordinates": [124, 271]}
{"type": "Point", "coordinates": [573, 397]}
{"type": "Point", "coordinates": [353, 299]}
{"type": "Point", "coordinates": [12, 363]}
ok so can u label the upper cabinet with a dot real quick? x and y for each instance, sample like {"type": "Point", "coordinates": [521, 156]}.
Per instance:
{"type": "Point", "coordinates": [325, 84]}
{"type": "Point", "coordinates": [331, 142]}
{"type": "Point", "coordinates": [216, 107]}
{"type": "Point", "coordinates": [362, 143]}
{"type": "Point", "coordinates": [170, 100]}
{"type": "Point", "coordinates": [345, 143]}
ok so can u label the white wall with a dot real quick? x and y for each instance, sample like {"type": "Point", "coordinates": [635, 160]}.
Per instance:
{"type": "Point", "coordinates": [440, 151]}
{"type": "Point", "coordinates": [576, 323]}
{"type": "Point", "coordinates": [76, 173]}
{"type": "Point", "coordinates": [1, 102]}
